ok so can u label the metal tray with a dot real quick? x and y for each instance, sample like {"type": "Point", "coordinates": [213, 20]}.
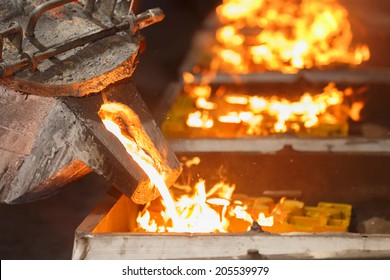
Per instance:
{"type": "Point", "coordinates": [358, 180]}
{"type": "Point", "coordinates": [368, 136]}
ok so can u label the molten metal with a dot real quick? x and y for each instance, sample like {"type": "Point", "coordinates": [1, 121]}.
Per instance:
{"type": "Point", "coordinates": [268, 115]}
{"type": "Point", "coordinates": [284, 36]}
{"type": "Point", "coordinates": [218, 210]}
{"type": "Point", "coordinates": [125, 124]}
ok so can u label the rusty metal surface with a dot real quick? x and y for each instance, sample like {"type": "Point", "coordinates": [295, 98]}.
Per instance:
{"type": "Point", "coordinates": [126, 93]}
{"type": "Point", "coordinates": [71, 52]}
{"type": "Point", "coordinates": [48, 142]}
{"type": "Point", "coordinates": [11, 8]}
{"type": "Point", "coordinates": [15, 34]}
{"type": "Point", "coordinates": [38, 11]}
{"type": "Point", "coordinates": [73, 68]}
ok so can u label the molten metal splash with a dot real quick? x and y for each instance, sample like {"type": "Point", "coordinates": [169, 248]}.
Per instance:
{"type": "Point", "coordinates": [218, 210]}
{"type": "Point", "coordinates": [201, 211]}
{"type": "Point", "coordinates": [283, 35]}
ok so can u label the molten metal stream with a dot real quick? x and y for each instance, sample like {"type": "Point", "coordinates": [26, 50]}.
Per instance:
{"type": "Point", "coordinates": [139, 156]}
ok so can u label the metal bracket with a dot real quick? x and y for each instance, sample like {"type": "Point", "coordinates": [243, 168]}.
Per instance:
{"type": "Point", "coordinates": [131, 23]}
{"type": "Point", "coordinates": [38, 11]}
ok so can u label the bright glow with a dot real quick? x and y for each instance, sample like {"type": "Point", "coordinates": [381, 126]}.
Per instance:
{"type": "Point", "coordinates": [197, 212]}
{"type": "Point", "coordinates": [231, 57]}
{"type": "Point", "coordinates": [145, 162]}
{"type": "Point", "coordinates": [278, 114]}
{"type": "Point", "coordinates": [236, 99]}
{"type": "Point", "coordinates": [202, 103]}
{"type": "Point", "coordinates": [200, 120]}
{"type": "Point", "coordinates": [219, 210]}
{"type": "Point", "coordinates": [355, 110]}
{"type": "Point", "coordinates": [231, 117]}
{"type": "Point", "coordinates": [203, 91]}
{"type": "Point", "coordinates": [262, 220]}
{"type": "Point", "coordinates": [284, 36]}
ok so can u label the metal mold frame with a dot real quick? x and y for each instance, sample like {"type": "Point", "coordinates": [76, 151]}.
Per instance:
{"type": "Point", "coordinates": [121, 244]}
{"type": "Point", "coordinates": [267, 144]}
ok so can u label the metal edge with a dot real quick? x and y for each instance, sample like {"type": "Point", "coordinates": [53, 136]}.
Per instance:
{"type": "Point", "coordinates": [84, 231]}
{"type": "Point", "coordinates": [99, 212]}
{"type": "Point", "coordinates": [269, 144]}
{"type": "Point", "coordinates": [348, 76]}
{"type": "Point", "coordinates": [175, 246]}
{"type": "Point", "coordinates": [276, 144]}
{"type": "Point", "coordinates": [128, 245]}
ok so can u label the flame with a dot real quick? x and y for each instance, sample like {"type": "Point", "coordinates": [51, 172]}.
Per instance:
{"type": "Point", "coordinates": [110, 114]}
{"type": "Point", "coordinates": [201, 91]}
{"type": "Point", "coordinates": [204, 104]}
{"type": "Point", "coordinates": [262, 220]}
{"type": "Point", "coordinates": [199, 212]}
{"type": "Point", "coordinates": [200, 120]}
{"type": "Point", "coordinates": [220, 210]}
{"type": "Point", "coordinates": [284, 36]}
{"type": "Point", "coordinates": [355, 110]}
{"type": "Point", "coordinates": [255, 112]}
